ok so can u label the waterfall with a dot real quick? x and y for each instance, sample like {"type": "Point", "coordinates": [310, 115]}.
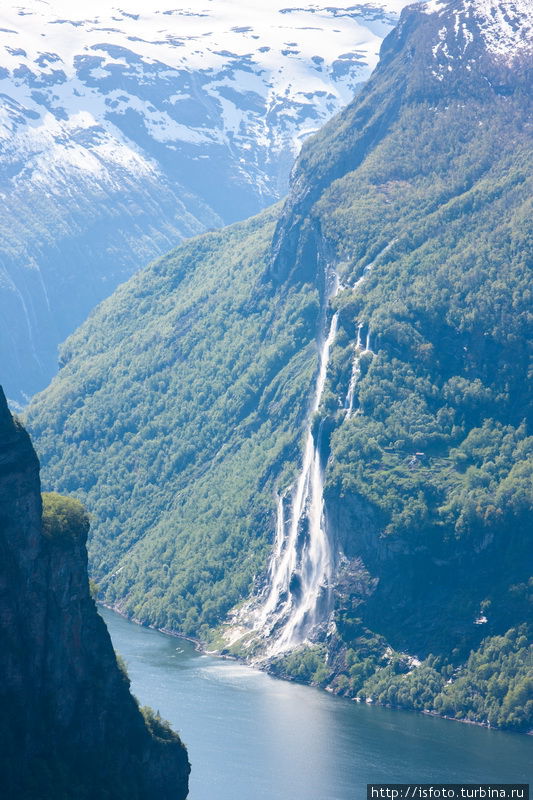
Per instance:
{"type": "Point", "coordinates": [298, 594]}
{"type": "Point", "coordinates": [356, 371]}
{"type": "Point", "coordinates": [358, 349]}
{"type": "Point", "coordinates": [356, 368]}
{"type": "Point", "coordinates": [29, 325]}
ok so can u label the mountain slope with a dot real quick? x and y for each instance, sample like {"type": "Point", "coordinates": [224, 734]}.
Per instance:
{"type": "Point", "coordinates": [69, 726]}
{"type": "Point", "coordinates": [125, 130]}
{"type": "Point", "coordinates": [418, 197]}
{"type": "Point", "coordinates": [206, 438]}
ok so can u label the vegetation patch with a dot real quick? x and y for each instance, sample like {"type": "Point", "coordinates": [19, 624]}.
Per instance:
{"type": "Point", "coordinates": [64, 517]}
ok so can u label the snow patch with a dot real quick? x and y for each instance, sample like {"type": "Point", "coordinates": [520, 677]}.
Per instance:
{"type": "Point", "coordinates": [505, 26]}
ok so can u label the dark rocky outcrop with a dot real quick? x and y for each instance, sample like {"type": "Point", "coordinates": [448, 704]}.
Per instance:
{"type": "Point", "coordinates": [69, 727]}
{"type": "Point", "coordinates": [420, 592]}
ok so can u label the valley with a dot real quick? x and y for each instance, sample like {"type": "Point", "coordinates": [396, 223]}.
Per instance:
{"type": "Point", "coordinates": [357, 518]}
{"type": "Point", "coordinates": [265, 317]}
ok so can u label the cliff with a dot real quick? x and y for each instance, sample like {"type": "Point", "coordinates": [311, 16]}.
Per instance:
{"type": "Point", "coordinates": [69, 726]}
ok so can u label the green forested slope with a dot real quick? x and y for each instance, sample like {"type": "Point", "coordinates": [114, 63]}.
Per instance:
{"type": "Point", "coordinates": [437, 546]}
{"type": "Point", "coordinates": [449, 312]}
{"type": "Point", "coordinates": [179, 402]}
{"type": "Point", "coordinates": [182, 401]}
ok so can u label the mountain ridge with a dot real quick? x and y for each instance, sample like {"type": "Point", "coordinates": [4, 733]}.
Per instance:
{"type": "Point", "coordinates": [366, 119]}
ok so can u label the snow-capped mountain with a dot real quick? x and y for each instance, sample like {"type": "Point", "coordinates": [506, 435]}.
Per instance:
{"type": "Point", "coordinates": [126, 127]}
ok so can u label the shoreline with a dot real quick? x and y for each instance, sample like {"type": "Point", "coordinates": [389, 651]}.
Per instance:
{"type": "Point", "coordinates": [200, 647]}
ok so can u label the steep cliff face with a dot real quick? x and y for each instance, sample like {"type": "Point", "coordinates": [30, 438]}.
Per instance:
{"type": "Point", "coordinates": [418, 194]}
{"type": "Point", "coordinates": [69, 726]}
{"type": "Point", "coordinates": [424, 593]}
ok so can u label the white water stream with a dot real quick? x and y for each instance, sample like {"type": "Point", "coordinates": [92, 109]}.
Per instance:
{"type": "Point", "coordinates": [359, 350]}
{"type": "Point", "coordinates": [297, 596]}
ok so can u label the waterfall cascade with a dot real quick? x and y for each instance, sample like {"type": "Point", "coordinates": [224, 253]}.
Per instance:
{"type": "Point", "coordinates": [359, 349]}
{"type": "Point", "coordinates": [298, 594]}
{"type": "Point", "coordinates": [356, 368]}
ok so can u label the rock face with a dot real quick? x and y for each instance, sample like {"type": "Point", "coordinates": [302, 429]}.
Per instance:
{"type": "Point", "coordinates": [452, 71]}
{"type": "Point", "coordinates": [69, 726]}
{"type": "Point", "coordinates": [124, 131]}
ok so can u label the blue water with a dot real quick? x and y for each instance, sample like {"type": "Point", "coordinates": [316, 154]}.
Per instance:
{"type": "Point", "coordinates": [252, 737]}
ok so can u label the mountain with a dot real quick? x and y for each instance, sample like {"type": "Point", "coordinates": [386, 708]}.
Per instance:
{"type": "Point", "coordinates": [305, 437]}
{"type": "Point", "coordinates": [123, 131]}
{"type": "Point", "coordinates": [69, 726]}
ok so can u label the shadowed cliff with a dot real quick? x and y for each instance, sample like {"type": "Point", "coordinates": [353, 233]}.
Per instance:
{"type": "Point", "coordinates": [69, 727]}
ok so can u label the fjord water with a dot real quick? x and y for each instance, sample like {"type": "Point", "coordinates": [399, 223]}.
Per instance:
{"type": "Point", "coordinates": [252, 737]}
